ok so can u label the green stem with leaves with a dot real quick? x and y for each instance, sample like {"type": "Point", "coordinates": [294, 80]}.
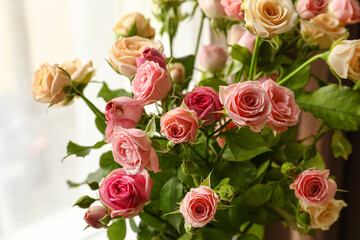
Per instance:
{"type": "Point", "coordinates": [253, 65]}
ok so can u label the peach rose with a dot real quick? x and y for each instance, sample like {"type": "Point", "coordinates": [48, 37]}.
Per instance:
{"type": "Point", "coordinates": [310, 8]}
{"type": "Point", "coordinates": [313, 187]}
{"type": "Point", "coordinates": [133, 151]}
{"type": "Point", "coordinates": [47, 84]}
{"type": "Point", "coordinates": [199, 206]}
{"type": "Point", "coordinates": [241, 36]}
{"type": "Point", "coordinates": [151, 83]}
{"type": "Point", "coordinates": [212, 58]}
{"type": "Point", "coordinates": [143, 27]}
{"type": "Point", "coordinates": [212, 8]}
{"type": "Point", "coordinates": [268, 18]}
{"type": "Point", "coordinates": [180, 125]}
{"type": "Point", "coordinates": [344, 59]}
{"type": "Point", "coordinates": [79, 73]}
{"type": "Point", "coordinates": [322, 30]}
{"type": "Point", "coordinates": [347, 11]}
{"type": "Point", "coordinates": [233, 9]}
{"type": "Point", "coordinates": [124, 51]}
{"type": "Point", "coordinates": [247, 104]}
{"type": "Point", "coordinates": [325, 215]}
{"type": "Point", "coordinates": [285, 111]}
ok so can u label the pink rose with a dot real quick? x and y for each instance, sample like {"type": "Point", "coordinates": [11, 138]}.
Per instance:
{"type": "Point", "coordinates": [212, 58]}
{"type": "Point", "coordinates": [347, 11]}
{"type": "Point", "coordinates": [151, 83]}
{"type": "Point", "coordinates": [285, 111]}
{"type": "Point", "coordinates": [221, 141]}
{"type": "Point", "coordinates": [109, 131]}
{"type": "Point", "coordinates": [247, 104]}
{"type": "Point", "coordinates": [124, 112]}
{"type": "Point", "coordinates": [125, 195]}
{"type": "Point", "coordinates": [233, 9]}
{"type": "Point", "coordinates": [310, 8]}
{"type": "Point", "coordinates": [177, 72]}
{"type": "Point", "coordinates": [93, 216]}
{"type": "Point", "coordinates": [151, 54]}
{"type": "Point", "coordinates": [313, 187]}
{"type": "Point", "coordinates": [199, 206]}
{"type": "Point", "coordinates": [262, 79]}
{"type": "Point", "coordinates": [211, 8]}
{"type": "Point", "coordinates": [241, 36]}
{"type": "Point", "coordinates": [205, 102]}
{"type": "Point", "coordinates": [133, 151]}
{"type": "Point", "coordinates": [180, 125]}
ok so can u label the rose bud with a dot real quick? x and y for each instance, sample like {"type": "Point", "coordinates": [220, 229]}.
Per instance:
{"type": "Point", "coordinates": [133, 151]}
{"type": "Point", "coordinates": [177, 72]}
{"type": "Point", "coordinates": [206, 103]}
{"type": "Point", "coordinates": [268, 18]}
{"type": "Point", "coordinates": [93, 216]}
{"type": "Point", "coordinates": [325, 215]}
{"type": "Point", "coordinates": [247, 104]}
{"type": "Point", "coordinates": [233, 9]}
{"type": "Point", "coordinates": [313, 187]}
{"type": "Point", "coordinates": [347, 11]}
{"type": "Point", "coordinates": [199, 206]}
{"type": "Point", "coordinates": [212, 58]}
{"type": "Point", "coordinates": [126, 23]}
{"type": "Point", "coordinates": [151, 83]}
{"type": "Point", "coordinates": [310, 8]}
{"type": "Point", "coordinates": [241, 36]}
{"type": "Point", "coordinates": [151, 54]}
{"type": "Point", "coordinates": [124, 112]}
{"type": "Point", "coordinates": [212, 8]}
{"type": "Point", "coordinates": [125, 195]}
{"type": "Point", "coordinates": [322, 30]}
{"type": "Point", "coordinates": [221, 141]}
{"type": "Point", "coordinates": [180, 125]}
{"type": "Point", "coordinates": [285, 111]}
{"type": "Point", "coordinates": [344, 59]}
{"type": "Point", "coordinates": [48, 83]}
{"type": "Point", "coordinates": [78, 72]}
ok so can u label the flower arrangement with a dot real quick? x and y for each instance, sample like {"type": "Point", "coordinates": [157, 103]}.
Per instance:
{"type": "Point", "coordinates": [219, 159]}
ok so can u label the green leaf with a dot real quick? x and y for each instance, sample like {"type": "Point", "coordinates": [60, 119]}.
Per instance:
{"type": "Point", "coordinates": [169, 160]}
{"type": "Point", "coordinates": [278, 197]}
{"type": "Point", "coordinates": [151, 127]}
{"type": "Point", "coordinates": [107, 161]}
{"type": "Point", "coordinates": [117, 230]}
{"type": "Point", "coordinates": [146, 231]}
{"type": "Point", "coordinates": [100, 124]}
{"type": "Point", "coordinates": [108, 94]}
{"type": "Point", "coordinates": [186, 236]}
{"type": "Point", "coordinates": [81, 151]}
{"type": "Point", "coordinates": [315, 162]}
{"type": "Point", "coordinates": [153, 221]}
{"type": "Point", "coordinates": [258, 195]}
{"type": "Point", "coordinates": [133, 225]}
{"type": "Point", "coordinates": [242, 54]}
{"type": "Point", "coordinates": [222, 183]}
{"type": "Point", "coordinates": [262, 168]}
{"type": "Point", "coordinates": [212, 234]}
{"type": "Point", "coordinates": [248, 237]}
{"type": "Point", "coordinates": [340, 145]}
{"type": "Point", "coordinates": [84, 202]}
{"type": "Point", "coordinates": [299, 80]}
{"type": "Point", "coordinates": [214, 83]}
{"type": "Point", "coordinates": [133, 30]}
{"type": "Point", "coordinates": [207, 181]}
{"type": "Point", "coordinates": [338, 108]}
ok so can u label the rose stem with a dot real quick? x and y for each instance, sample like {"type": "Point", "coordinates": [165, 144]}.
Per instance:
{"type": "Point", "coordinates": [253, 64]}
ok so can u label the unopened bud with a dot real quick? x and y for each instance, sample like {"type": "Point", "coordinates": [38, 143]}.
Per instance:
{"type": "Point", "coordinates": [226, 192]}
{"type": "Point", "coordinates": [93, 216]}
{"type": "Point", "coordinates": [177, 72]}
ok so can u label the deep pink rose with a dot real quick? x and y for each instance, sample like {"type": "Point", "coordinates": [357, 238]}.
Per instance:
{"type": "Point", "coordinates": [199, 206]}
{"type": "Point", "coordinates": [109, 131]}
{"type": "Point", "coordinates": [247, 104]}
{"type": "Point", "coordinates": [310, 8]}
{"type": "Point", "coordinates": [125, 195]}
{"type": "Point", "coordinates": [151, 54]}
{"type": "Point", "coordinates": [180, 125]}
{"type": "Point", "coordinates": [205, 102]}
{"type": "Point", "coordinates": [93, 216]}
{"type": "Point", "coordinates": [285, 111]}
{"type": "Point", "coordinates": [151, 83]}
{"type": "Point", "coordinates": [124, 112]}
{"type": "Point", "coordinates": [313, 187]}
{"type": "Point", "coordinates": [347, 11]}
{"type": "Point", "coordinates": [133, 151]}
{"type": "Point", "coordinates": [221, 141]}
{"type": "Point", "coordinates": [212, 58]}
{"type": "Point", "coordinates": [241, 36]}
{"type": "Point", "coordinates": [233, 9]}
{"type": "Point", "coordinates": [262, 79]}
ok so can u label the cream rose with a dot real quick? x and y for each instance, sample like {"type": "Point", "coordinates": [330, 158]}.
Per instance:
{"type": "Point", "coordinates": [48, 83]}
{"type": "Point", "coordinates": [124, 51]}
{"type": "Point", "coordinates": [268, 18]}
{"type": "Point", "coordinates": [322, 30]}
{"type": "Point", "coordinates": [325, 215]}
{"type": "Point", "coordinates": [344, 59]}
{"type": "Point", "coordinates": [78, 72]}
{"type": "Point", "coordinates": [143, 27]}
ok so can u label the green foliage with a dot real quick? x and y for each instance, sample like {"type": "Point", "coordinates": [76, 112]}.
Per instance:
{"type": "Point", "coordinates": [340, 145]}
{"type": "Point", "coordinates": [258, 195]}
{"type": "Point", "coordinates": [117, 230]}
{"type": "Point", "coordinates": [108, 94]}
{"type": "Point", "coordinates": [214, 83]}
{"type": "Point", "coordinates": [81, 151]}
{"type": "Point", "coordinates": [212, 234]}
{"type": "Point", "coordinates": [241, 54]}
{"type": "Point", "coordinates": [151, 127]}
{"type": "Point", "coordinates": [84, 202]}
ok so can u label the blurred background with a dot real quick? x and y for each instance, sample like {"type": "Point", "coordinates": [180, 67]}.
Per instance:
{"type": "Point", "coordinates": [35, 201]}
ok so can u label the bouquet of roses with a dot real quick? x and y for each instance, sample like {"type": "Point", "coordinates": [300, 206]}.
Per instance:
{"type": "Point", "coordinates": [219, 160]}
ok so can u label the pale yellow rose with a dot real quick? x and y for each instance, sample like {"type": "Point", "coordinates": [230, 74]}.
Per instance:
{"type": "Point", "coordinates": [78, 72]}
{"type": "Point", "coordinates": [48, 83]}
{"type": "Point", "coordinates": [322, 30]}
{"type": "Point", "coordinates": [143, 27]}
{"type": "Point", "coordinates": [344, 59]}
{"type": "Point", "coordinates": [268, 18]}
{"type": "Point", "coordinates": [124, 51]}
{"type": "Point", "coordinates": [325, 215]}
